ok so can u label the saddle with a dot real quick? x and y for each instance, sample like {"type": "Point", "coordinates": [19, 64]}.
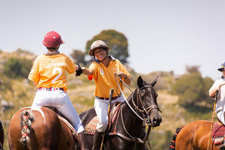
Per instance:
{"type": "Point", "coordinates": [218, 133]}
{"type": "Point", "coordinates": [113, 114]}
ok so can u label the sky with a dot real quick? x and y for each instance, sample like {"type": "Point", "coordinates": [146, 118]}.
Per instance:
{"type": "Point", "coordinates": [163, 35]}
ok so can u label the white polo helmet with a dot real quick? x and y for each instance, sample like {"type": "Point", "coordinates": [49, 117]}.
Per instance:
{"type": "Point", "coordinates": [97, 44]}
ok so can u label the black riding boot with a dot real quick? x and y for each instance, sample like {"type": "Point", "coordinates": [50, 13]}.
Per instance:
{"type": "Point", "coordinates": [97, 140]}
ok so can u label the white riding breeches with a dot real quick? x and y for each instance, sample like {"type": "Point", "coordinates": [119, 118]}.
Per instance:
{"type": "Point", "coordinates": [61, 101]}
{"type": "Point", "coordinates": [101, 109]}
{"type": "Point", "coordinates": [220, 116]}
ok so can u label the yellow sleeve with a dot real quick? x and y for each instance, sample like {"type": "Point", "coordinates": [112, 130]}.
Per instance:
{"type": "Point", "coordinates": [94, 67]}
{"type": "Point", "coordinates": [34, 73]}
{"type": "Point", "coordinates": [123, 69]}
{"type": "Point", "coordinates": [71, 66]}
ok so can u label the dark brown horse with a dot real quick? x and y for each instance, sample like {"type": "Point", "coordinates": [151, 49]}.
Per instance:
{"type": "Point", "coordinates": [127, 134]}
{"type": "Point", "coordinates": [39, 129]}
{"type": "Point", "coordinates": [194, 136]}
{"type": "Point", "coordinates": [1, 136]}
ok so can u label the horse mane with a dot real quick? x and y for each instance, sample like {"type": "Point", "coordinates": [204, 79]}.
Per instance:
{"type": "Point", "coordinates": [27, 118]}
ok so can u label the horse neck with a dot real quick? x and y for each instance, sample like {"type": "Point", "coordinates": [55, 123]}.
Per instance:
{"type": "Point", "coordinates": [133, 120]}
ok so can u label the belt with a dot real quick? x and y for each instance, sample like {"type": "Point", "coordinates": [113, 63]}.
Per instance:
{"type": "Point", "coordinates": [113, 98]}
{"type": "Point", "coordinates": [50, 89]}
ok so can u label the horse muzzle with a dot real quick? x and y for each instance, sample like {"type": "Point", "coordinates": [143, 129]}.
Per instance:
{"type": "Point", "coordinates": [154, 121]}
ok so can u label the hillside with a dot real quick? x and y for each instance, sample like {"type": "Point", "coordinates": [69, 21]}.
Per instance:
{"type": "Point", "coordinates": [18, 93]}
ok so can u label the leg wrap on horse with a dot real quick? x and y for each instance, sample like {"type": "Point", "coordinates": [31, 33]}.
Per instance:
{"type": "Point", "coordinates": [97, 140]}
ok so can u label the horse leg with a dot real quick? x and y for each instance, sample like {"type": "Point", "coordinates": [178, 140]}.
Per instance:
{"type": "Point", "coordinates": [1, 134]}
{"type": "Point", "coordinates": [97, 140]}
{"type": "Point", "coordinates": [80, 140]}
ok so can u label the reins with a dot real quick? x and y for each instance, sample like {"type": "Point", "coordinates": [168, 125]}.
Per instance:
{"type": "Point", "coordinates": [146, 110]}
{"type": "Point", "coordinates": [213, 115]}
{"type": "Point", "coordinates": [136, 107]}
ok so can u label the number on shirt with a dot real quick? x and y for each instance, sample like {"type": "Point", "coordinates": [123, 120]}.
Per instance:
{"type": "Point", "coordinates": [54, 72]}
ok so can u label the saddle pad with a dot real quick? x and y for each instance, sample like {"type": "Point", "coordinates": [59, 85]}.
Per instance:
{"type": "Point", "coordinates": [218, 133]}
{"type": "Point", "coordinates": [91, 126]}
{"type": "Point", "coordinates": [218, 130]}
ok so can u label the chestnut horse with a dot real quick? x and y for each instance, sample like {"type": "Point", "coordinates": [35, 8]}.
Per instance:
{"type": "Point", "coordinates": [1, 136]}
{"type": "Point", "coordinates": [39, 129]}
{"type": "Point", "coordinates": [194, 136]}
{"type": "Point", "coordinates": [140, 107]}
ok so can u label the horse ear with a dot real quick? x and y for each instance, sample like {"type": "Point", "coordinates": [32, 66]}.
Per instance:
{"type": "Point", "coordinates": [154, 81]}
{"type": "Point", "coordinates": [140, 82]}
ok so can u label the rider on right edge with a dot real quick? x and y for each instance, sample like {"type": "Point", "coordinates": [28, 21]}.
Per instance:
{"type": "Point", "coordinates": [220, 104]}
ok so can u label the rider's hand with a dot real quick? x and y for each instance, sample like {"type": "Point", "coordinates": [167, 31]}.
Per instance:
{"type": "Point", "coordinates": [78, 71]}
{"type": "Point", "coordinates": [121, 74]}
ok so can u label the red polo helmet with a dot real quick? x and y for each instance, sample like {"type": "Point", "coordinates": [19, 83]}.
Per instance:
{"type": "Point", "coordinates": [52, 39]}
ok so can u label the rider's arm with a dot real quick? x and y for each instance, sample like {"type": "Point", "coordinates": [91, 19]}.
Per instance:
{"type": "Point", "coordinates": [127, 80]}
{"type": "Point", "coordinates": [87, 71]}
{"type": "Point", "coordinates": [214, 89]}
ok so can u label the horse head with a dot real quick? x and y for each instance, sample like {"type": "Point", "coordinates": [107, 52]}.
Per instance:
{"type": "Point", "coordinates": [147, 102]}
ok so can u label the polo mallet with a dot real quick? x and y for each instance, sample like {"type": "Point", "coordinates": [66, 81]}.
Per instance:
{"type": "Point", "coordinates": [213, 115]}
{"type": "Point", "coordinates": [109, 106]}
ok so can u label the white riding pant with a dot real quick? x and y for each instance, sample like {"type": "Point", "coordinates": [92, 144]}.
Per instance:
{"type": "Point", "coordinates": [101, 109]}
{"type": "Point", "coordinates": [220, 116]}
{"type": "Point", "coordinates": [61, 101]}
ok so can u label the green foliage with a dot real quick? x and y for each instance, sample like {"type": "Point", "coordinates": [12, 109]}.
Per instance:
{"type": "Point", "coordinates": [192, 89]}
{"type": "Point", "coordinates": [78, 57]}
{"type": "Point", "coordinates": [16, 67]}
{"type": "Point", "coordinates": [116, 41]}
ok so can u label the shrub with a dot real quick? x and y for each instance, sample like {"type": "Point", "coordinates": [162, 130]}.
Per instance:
{"type": "Point", "coordinates": [192, 89]}
{"type": "Point", "coordinates": [15, 67]}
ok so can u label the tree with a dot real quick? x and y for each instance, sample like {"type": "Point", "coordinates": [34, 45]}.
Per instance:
{"type": "Point", "coordinates": [78, 57]}
{"type": "Point", "coordinates": [116, 41]}
{"type": "Point", "coordinates": [192, 89]}
{"type": "Point", "coordinates": [192, 69]}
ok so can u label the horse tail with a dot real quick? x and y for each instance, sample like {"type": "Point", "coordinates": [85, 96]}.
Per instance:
{"type": "Point", "coordinates": [27, 118]}
{"type": "Point", "coordinates": [172, 146]}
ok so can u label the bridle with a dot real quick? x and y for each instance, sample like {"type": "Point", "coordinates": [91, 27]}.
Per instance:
{"type": "Point", "coordinates": [137, 110]}
{"type": "Point", "coordinates": [144, 111]}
